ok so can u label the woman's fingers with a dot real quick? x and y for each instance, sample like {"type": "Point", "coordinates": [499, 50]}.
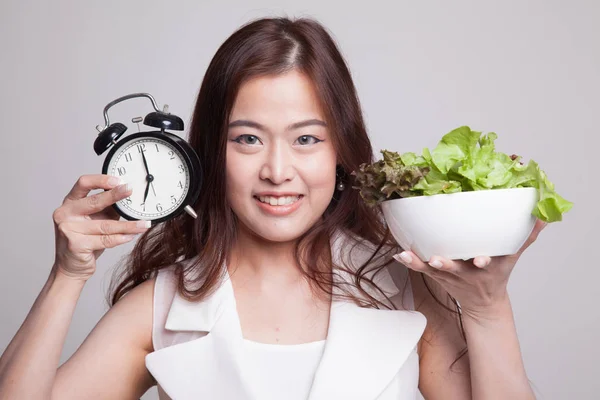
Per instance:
{"type": "Point", "coordinates": [78, 204]}
{"type": "Point", "coordinates": [454, 267]}
{"type": "Point", "coordinates": [85, 246]}
{"type": "Point", "coordinates": [98, 202]}
{"type": "Point", "coordinates": [437, 263]}
{"type": "Point", "coordinates": [107, 227]}
{"type": "Point", "coordinates": [86, 183]}
{"type": "Point", "coordinates": [108, 213]}
{"type": "Point", "coordinates": [101, 234]}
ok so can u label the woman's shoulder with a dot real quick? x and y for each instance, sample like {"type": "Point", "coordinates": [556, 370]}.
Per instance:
{"type": "Point", "coordinates": [136, 306]}
{"type": "Point", "coordinates": [143, 304]}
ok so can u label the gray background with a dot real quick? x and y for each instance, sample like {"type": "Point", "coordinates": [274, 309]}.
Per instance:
{"type": "Point", "coordinates": [528, 70]}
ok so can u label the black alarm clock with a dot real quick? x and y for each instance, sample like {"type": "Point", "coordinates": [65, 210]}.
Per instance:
{"type": "Point", "coordinates": [163, 170]}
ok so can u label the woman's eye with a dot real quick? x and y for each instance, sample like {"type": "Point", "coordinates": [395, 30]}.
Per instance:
{"type": "Point", "coordinates": [246, 139]}
{"type": "Point", "coordinates": [308, 139]}
{"type": "Point", "coordinates": [251, 140]}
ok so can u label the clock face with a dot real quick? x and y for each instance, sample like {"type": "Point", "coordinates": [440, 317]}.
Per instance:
{"type": "Point", "coordinates": [166, 178]}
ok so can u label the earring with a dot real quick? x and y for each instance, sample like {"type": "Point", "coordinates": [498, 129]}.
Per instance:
{"type": "Point", "coordinates": [339, 184]}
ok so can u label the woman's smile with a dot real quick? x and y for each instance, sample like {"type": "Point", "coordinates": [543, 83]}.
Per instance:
{"type": "Point", "coordinates": [279, 206]}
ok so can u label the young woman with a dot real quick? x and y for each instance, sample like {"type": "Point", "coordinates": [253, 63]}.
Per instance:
{"type": "Point", "coordinates": [286, 285]}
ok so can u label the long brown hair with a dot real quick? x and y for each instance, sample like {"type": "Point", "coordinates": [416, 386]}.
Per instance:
{"type": "Point", "coordinates": [267, 47]}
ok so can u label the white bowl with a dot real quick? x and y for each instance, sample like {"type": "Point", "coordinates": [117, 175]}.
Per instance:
{"type": "Point", "coordinates": [463, 225]}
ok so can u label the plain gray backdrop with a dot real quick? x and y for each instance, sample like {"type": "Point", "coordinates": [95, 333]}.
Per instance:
{"type": "Point", "coordinates": [527, 70]}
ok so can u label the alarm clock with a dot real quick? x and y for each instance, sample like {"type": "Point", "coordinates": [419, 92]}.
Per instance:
{"type": "Point", "coordinates": [163, 170]}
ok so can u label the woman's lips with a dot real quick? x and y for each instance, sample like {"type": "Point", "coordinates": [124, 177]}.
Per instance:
{"type": "Point", "coordinates": [280, 210]}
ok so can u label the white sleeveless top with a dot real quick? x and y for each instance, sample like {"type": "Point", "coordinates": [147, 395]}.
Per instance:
{"type": "Point", "coordinates": [283, 371]}
{"type": "Point", "coordinates": [199, 350]}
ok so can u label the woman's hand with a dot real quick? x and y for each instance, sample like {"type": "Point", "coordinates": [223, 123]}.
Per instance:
{"type": "Point", "coordinates": [477, 284]}
{"type": "Point", "coordinates": [86, 225]}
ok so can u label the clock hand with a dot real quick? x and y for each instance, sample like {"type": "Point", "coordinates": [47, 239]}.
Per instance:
{"type": "Point", "coordinates": [153, 189]}
{"type": "Point", "coordinates": [145, 163]}
{"type": "Point", "coordinates": [149, 177]}
{"type": "Point", "coordinates": [146, 193]}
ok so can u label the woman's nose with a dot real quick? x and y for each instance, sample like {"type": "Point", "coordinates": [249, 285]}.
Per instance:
{"type": "Point", "coordinates": [278, 166]}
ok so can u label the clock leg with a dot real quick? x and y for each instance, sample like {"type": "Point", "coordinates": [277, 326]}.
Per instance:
{"type": "Point", "coordinates": [191, 211]}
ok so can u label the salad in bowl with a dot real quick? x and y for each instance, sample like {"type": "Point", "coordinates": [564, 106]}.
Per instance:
{"type": "Point", "coordinates": [462, 199]}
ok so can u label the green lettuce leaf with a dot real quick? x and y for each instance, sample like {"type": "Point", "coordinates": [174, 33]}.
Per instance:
{"type": "Point", "coordinates": [463, 160]}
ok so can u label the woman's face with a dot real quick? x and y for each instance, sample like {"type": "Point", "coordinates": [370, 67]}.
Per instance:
{"type": "Point", "coordinates": [280, 158]}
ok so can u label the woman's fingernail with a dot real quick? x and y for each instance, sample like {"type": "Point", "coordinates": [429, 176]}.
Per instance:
{"type": "Point", "coordinates": [114, 181]}
{"type": "Point", "coordinates": [405, 257]}
{"type": "Point", "coordinates": [480, 263]}
{"type": "Point", "coordinates": [124, 188]}
{"type": "Point", "coordinates": [436, 264]}
{"type": "Point", "coordinates": [144, 224]}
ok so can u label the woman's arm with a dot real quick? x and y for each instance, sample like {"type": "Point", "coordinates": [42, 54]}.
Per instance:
{"type": "Point", "coordinates": [109, 364]}
{"type": "Point", "coordinates": [492, 368]}
{"type": "Point", "coordinates": [497, 370]}
{"type": "Point", "coordinates": [28, 365]}
{"type": "Point", "coordinates": [440, 345]}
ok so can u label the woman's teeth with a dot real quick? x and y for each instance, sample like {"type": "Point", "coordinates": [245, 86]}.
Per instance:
{"type": "Point", "coordinates": [278, 201]}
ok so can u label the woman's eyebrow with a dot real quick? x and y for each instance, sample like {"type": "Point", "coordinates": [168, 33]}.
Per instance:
{"type": "Point", "coordinates": [256, 125]}
{"type": "Point", "coordinates": [307, 122]}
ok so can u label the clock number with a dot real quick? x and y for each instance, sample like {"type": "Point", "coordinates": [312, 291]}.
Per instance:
{"type": "Point", "coordinates": [172, 154]}
{"type": "Point", "coordinates": [141, 147]}
{"type": "Point", "coordinates": [143, 205]}
{"type": "Point", "coordinates": [181, 169]}
{"type": "Point", "coordinates": [159, 207]}
{"type": "Point", "coordinates": [156, 144]}
{"type": "Point", "coordinates": [173, 199]}
{"type": "Point", "coordinates": [180, 185]}
{"type": "Point", "coordinates": [128, 157]}
{"type": "Point", "coordinates": [128, 201]}
{"type": "Point", "coordinates": [121, 171]}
